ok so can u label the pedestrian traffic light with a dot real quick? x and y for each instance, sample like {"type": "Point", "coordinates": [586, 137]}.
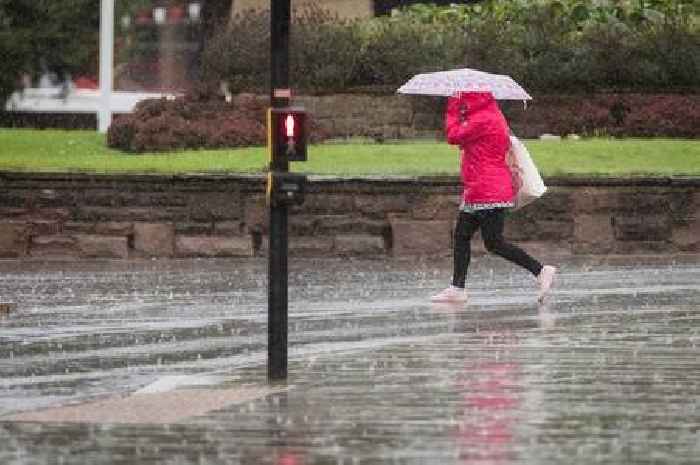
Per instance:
{"type": "Point", "coordinates": [287, 134]}
{"type": "Point", "coordinates": [285, 189]}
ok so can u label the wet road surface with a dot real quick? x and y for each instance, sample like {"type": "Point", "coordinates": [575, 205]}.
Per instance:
{"type": "Point", "coordinates": [164, 362]}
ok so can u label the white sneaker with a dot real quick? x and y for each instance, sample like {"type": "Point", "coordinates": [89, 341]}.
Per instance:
{"type": "Point", "coordinates": [546, 280]}
{"type": "Point", "coordinates": [450, 294]}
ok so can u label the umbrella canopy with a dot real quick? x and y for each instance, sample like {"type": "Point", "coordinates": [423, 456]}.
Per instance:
{"type": "Point", "coordinates": [448, 83]}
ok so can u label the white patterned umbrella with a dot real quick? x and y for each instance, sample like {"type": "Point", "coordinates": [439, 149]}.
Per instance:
{"type": "Point", "coordinates": [448, 83]}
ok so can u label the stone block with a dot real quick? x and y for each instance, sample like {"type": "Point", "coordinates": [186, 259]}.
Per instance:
{"type": "Point", "coordinates": [554, 203]}
{"type": "Point", "coordinates": [359, 244]}
{"type": "Point", "coordinates": [14, 239]}
{"type": "Point", "coordinates": [593, 233]}
{"type": "Point", "coordinates": [55, 214]}
{"type": "Point", "coordinates": [301, 224]}
{"type": "Point", "coordinates": [154, 239]}
{"type": "Point", "coordinates": [422, 120]}
{"type": "Point", "coordinates": [378, 206]}
{"type": "Point", "coordinates": [125, 214]}
{"type": "Point", "coordinates": [310, 246]}
{"type": "Point", "coordinates": [643, 247]}
{"type": "Point", "coordinates": [349, 224]}
{"type": "Point", "coordinates": [595, 200]}
{"type": "Point", "coordinates": [411, 237]}
{"type": "Point", "coordinates": [194, 229]}
{"type": "Point", "coordinates": [212, 206]}
{"type": "Point", "coordinates": [436, 207]}
{"type": "Point", "coordinates": [114, 228]}
{"type": "Point", "coordinates": [541, 250]}
{"type": "Point", "coordinates": [351, 126]}
{"type": "Point", "coordinates": [59, 246]}
{"type": "Point", "coordinates": [98, 246]}
{"type": "Point", "coordinates": [329, 204]}
{"type": "Point", "coordinates": [528, 229]}
{"type": "Point", "coordinates": [686, 236]}
{"type": "Point", "coordinates": [78, 227]}
{"type": "Point", "coordinates": [681, 206]}
{"type": "Point", "coordinates": [13, 213]}
{"type": "Point", "coordinates": [400, 115]}
{"type": "Point", "coordinates": [213, 246]}
{"type": "Point", "coordinates": [644, 202]}
{"type": "Point", "coordinates": [255, 214]}
{"type": "Point", "coordinates": [229, 228]}
{"type": "Point", "coordinates": [42, 227]}
{"type": "Point", "coordinates": [642, 228]}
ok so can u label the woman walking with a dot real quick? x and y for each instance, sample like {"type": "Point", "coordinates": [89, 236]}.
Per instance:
{"type": "Point", "coordinates": [475, 123]}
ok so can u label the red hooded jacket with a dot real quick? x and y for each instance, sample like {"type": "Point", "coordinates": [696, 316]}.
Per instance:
{"type": "Point", "coordinates": [483, 136]}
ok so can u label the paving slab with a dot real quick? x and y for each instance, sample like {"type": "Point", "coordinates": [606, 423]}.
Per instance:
{"type": "Point", "coordinates": [163, 362]}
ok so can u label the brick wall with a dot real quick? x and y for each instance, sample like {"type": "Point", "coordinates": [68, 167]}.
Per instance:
{"type": "Point", "coordinates": [46, 216]}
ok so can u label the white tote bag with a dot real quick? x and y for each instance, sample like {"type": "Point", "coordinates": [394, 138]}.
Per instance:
{"type": "Point", "coordinates": [527, 181]}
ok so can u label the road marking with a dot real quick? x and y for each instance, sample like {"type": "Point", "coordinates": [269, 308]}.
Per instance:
{"type": "Point", "coordinates": [149, 408]}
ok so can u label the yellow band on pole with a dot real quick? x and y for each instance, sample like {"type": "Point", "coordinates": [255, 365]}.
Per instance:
{"type": "Point", "coordinates": [268, 192]}
{"type": "Point", "coordinates": [269, 135]}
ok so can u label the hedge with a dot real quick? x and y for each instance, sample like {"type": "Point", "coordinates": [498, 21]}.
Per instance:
{"type": "Point", "coordinates": [545, 46]}
{"type": "Point", "coordinates": [196, 121]}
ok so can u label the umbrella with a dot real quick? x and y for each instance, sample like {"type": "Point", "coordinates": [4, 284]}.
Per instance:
{"type": "Point", "coordinates": [448, 83]}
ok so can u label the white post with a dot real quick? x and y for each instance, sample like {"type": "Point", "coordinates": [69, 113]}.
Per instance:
{"type": "Point", "coordinates": [106, 63]}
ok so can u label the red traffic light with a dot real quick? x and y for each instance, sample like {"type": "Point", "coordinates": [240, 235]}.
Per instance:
{"type": "Point", "coordinates": [287, 134]}
{"type": "Point", "coordinates": [289, 125]}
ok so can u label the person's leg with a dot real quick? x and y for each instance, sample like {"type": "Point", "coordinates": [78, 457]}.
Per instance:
{"type": "Point", "coordinates": [492, 224]}
{"type": "Point", "coordinates": [467, 225]}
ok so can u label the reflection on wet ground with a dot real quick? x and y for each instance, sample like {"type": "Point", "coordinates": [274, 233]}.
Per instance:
{"type": "Point", "coordinates": [164, 362]}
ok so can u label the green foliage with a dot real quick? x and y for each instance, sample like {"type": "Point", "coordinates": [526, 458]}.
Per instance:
{"type": "Point", "coordinates": [579, 44]}
{"type": "Point", "coordinates": [324, 52]}
{"type": "Point", "coordinates": [61, 36]}
{"type": "Point", "coordinates": [395, 49]}
{"type": "Point", "coordinates": [328, 54]}
{"type": "Point", "coordinates": [547, 45]}
{"type": "Point", "coordinates": [239, 53]}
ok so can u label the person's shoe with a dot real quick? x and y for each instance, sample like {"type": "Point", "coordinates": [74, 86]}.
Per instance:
{"type": "Point", "coordinates": [450, 294]}
{"type": "Point", "coordinates": [546, 280]}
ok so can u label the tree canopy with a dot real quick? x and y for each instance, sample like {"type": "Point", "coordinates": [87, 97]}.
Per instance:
{"type": "Point", "coordinates": [36, 36]}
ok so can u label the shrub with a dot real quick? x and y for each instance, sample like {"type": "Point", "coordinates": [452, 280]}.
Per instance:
{"type": "Point", "coordinates": [239, 53]}
{"type": "Point", "coordinates": [324, 52]}
{"type": "Point", "coordinates": [185, 123]}
{"type": "Point", "coordinates": [395, 50]}
{"type": "Point", "coordinates": [662, 115]}
{"type": "Point", "coordinates": [614, 114]}
{"type": "Point", "coordinates": [193, 122]}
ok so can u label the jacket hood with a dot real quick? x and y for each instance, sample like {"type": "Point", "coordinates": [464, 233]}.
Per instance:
{"type": "Point", "coordinates": [478, 101]}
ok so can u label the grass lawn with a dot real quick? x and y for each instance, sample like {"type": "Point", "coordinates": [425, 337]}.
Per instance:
{"type": "Point", "coordinates": [85, 151]}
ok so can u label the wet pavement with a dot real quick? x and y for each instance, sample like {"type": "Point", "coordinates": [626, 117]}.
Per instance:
{"type": "Point", "coordinates": [164, 362]}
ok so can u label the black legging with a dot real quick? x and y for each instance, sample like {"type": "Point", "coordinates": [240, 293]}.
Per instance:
{"type": "Point", "coordinates": [491, 223]}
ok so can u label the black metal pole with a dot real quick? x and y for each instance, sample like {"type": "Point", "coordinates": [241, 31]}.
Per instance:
{"type": "Point", "coordinates": [280, 14]}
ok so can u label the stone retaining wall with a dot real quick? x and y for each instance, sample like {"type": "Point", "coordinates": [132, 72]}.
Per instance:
{"type": "Point", "coordinates": [50, 216]}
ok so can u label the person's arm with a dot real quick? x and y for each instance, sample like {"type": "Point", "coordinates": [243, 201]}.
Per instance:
{"type": "Point", "coordinates": [458, 130]}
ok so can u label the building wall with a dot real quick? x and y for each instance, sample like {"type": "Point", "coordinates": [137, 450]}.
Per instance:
{"type": "Point", "coordinates": [347, 9]}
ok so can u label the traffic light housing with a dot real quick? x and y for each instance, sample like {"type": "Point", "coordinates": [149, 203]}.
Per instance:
{"type": "Point", "coordinates": [287, 133]}
{"type": "Point", "coordinates": [285, 189]}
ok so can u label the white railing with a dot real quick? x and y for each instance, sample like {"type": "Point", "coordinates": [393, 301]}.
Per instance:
{"type": "Point", "coordinates": [55, 100]}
